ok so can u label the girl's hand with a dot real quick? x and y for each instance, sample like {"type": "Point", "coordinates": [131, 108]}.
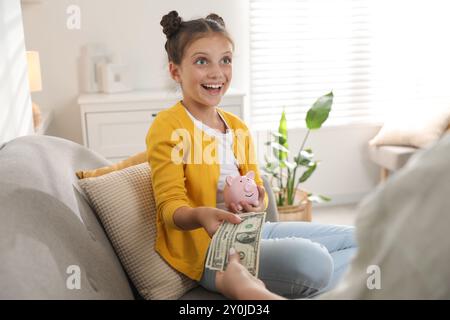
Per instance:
{"type": "Point", "coordinates": [211, 218]}
{"type": "Point", "coordinates": [245, 207]}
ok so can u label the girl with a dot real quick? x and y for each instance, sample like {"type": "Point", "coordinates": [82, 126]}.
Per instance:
{"type": "Point", "coordinates": [297, 259]}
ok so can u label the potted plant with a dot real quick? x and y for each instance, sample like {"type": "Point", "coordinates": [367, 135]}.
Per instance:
{"type": "Point", "coordinates": [294, 203]}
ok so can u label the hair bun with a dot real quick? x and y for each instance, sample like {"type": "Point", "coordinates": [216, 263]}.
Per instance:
{"type": "Point", "coordinates": [171, 23]}
{"type": "Point", "coordinates": [216, 18]}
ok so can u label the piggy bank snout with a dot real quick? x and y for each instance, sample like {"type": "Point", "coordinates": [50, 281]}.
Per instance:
{"type": "Point", "coordinates": [248, 187]}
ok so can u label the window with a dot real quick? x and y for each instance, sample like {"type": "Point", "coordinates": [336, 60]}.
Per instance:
{"type": "Point", "coordinates": [410, 53]}
{"type": "Point", "coordinates": [302, 49]}
{"type": "Point", "coordinates": [376, 56]}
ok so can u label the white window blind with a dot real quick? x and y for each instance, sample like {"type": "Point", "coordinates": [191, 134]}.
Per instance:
{"type": "Point", "coordinates": [302, 49]}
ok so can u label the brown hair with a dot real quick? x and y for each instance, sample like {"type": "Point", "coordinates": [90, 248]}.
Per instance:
{"type": "Point", "coordinates": [181, 33]}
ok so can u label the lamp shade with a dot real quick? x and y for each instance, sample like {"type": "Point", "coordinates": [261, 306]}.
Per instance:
{"type": "Point", "coordinates": [34, 71]}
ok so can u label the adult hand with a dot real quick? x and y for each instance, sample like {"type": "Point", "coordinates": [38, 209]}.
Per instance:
{"type": "Point", "coordinates": [245, 207]}
{"type": "Point", "coordinates": [237, 283]}
{"type": "Point", "coordinates": [211, 218]}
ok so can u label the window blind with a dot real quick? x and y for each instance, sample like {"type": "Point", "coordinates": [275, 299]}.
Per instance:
{"type": "Point", "coordinates": [303, 49]}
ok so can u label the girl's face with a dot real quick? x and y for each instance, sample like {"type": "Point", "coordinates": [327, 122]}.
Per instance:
{"type": "Point", "coordinates": [205, 71]}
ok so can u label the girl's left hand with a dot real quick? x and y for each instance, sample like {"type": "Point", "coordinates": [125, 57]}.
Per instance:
{"type": "Point", "coordinates": [245, 207]}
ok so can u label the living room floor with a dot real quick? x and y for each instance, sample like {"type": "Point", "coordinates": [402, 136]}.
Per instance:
{"type": "Point", "coordinates": [339, 214]}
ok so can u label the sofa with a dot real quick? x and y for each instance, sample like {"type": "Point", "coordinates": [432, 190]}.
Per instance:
{"type": "Point", "coordinates": [390, 158]}
{"type": "Point", "coordinates": [396, 143]}
{"type": "Point", "coordinates": [48, 226]}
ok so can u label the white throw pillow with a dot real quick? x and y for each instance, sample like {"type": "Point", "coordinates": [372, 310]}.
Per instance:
{"type": "Point", "coordinates": [125, 204]}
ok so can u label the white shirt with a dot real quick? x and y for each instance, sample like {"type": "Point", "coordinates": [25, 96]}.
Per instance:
{"type": "Point", "coordinates": [227, 160]}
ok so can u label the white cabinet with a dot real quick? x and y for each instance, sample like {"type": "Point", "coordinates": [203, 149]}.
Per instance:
{"type": "Point", "coordinates": [116, 125]}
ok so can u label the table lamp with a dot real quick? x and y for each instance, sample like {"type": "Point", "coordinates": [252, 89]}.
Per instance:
{"type": "Point", "coordinates": [35, 83]}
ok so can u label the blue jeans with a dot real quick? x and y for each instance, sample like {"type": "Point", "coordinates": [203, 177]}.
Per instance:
{"type": "Point", "coordinates": [300, 259]}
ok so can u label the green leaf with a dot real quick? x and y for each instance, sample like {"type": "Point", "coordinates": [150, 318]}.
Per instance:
{"type": "Point", "coordinates": [305, 176]}
{"type": "Point", "coordinates": [324, 198]}
{"type": "Point", "coordinates": [318, 198]}
{"type": "Point", "coordinates": [276, 134]}
{"type": "Point", "coordinates": [310, 164]}
{"type": "Point", "coordinates": [270, 173]}
{"type": "Point", "coordinates": [307, 153]}
{"type": "Point", "coordinates": [282, 139]}
{"type": "Point", "coordinates": [319, 112]}
{"type": "Point", "coordinates": [279, 147]}
{"type": "Point", "coordinates": [288, 164]}
{"type": "Point", "coordinates": [305, 159]}
{"type": "Point", "coordinates": [271, 166]}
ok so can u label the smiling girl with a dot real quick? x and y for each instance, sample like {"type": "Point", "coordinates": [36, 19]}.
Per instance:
{"type": "Point", "coordinates": [189, 194]}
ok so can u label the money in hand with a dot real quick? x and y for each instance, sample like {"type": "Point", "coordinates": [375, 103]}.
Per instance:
{"type": "Point", "coordinates": [244, 237]}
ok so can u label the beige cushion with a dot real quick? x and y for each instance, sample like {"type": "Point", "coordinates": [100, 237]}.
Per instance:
{"type": "Point", "coordinates": [417, 129]}
{"type": "Point", "coordinates": [138, 158]}
{"type": "Point", "coordinates": [125, 204]}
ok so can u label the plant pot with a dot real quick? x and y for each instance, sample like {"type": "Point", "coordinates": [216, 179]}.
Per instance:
{"type": "Point", "coordinates": [301, 211]}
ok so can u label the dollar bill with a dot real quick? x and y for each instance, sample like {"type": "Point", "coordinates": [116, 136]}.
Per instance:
{"type": "Point", "coordinates": [244, 237]}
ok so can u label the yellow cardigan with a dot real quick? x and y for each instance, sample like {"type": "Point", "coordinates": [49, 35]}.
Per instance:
{"type": "Point", "coordinates": [192, 183]}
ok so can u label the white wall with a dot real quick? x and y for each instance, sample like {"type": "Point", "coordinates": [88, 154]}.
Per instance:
{"type": "Point", "coordinates": [128, 28]}
{"type": "Point", "coordinates": [15, 103]}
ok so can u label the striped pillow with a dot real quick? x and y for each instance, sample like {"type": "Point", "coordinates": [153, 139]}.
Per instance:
{"type": "Point", "coordinates": [125, 204]}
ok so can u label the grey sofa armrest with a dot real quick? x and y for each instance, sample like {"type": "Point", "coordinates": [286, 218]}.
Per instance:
{"type": "Point", "coordinates": [390, 158]}
{"type": "Point", "coordinates": [272, 211]}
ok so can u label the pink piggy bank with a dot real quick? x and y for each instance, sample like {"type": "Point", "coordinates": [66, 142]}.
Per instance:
{"type": "Point", "coordinates": [241, 188]}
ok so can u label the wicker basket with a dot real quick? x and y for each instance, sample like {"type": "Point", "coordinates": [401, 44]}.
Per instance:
{"type": "Point", "coordinates": [302, 211]}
